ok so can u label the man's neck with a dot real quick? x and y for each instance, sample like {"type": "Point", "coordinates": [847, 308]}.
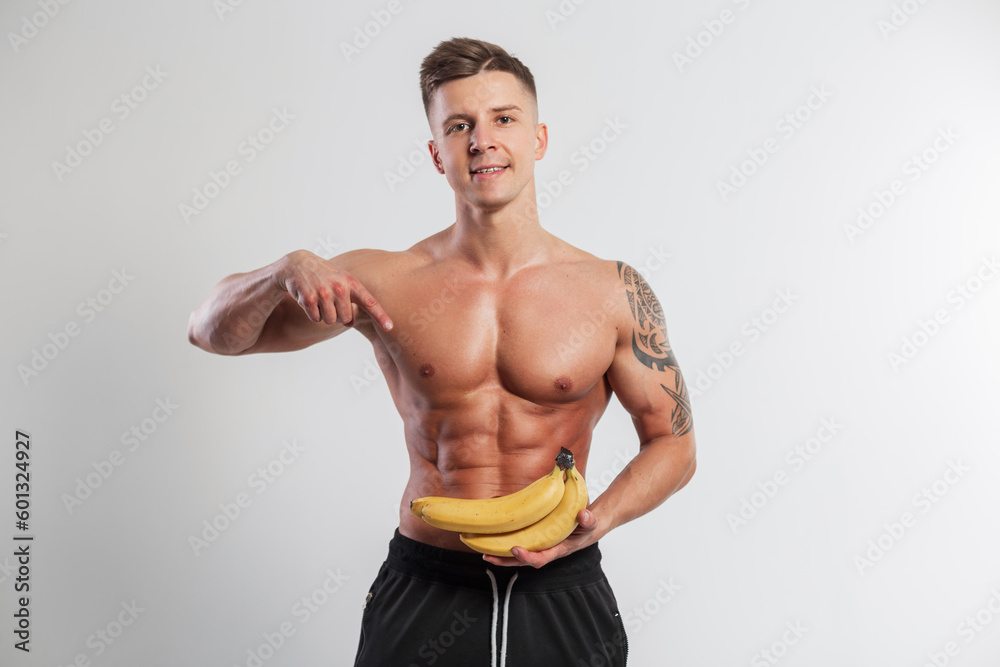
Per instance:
{"type": "Point", "coordinates": [502, 241]}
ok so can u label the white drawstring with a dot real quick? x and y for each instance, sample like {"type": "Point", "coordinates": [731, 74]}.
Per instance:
{"type": "Point", "coordinates": [506, 605]}
{"type": "Point", "coordinates": [496, 601]}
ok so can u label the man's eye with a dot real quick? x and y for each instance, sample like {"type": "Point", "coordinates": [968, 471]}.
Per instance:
{"type": "Point", "coordinates": [457, 126]}
{"type": "Point", "coordinates": [506, 119]}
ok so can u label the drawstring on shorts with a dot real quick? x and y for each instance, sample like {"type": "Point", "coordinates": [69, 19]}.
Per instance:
{"type": "Point", "coordinates": [506, 606]}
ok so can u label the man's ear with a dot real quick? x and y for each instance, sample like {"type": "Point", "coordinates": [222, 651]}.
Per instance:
{"type": "Point", "coordinates": [541, 140]}
{"type": "Point", "coordinates": [435, 156]}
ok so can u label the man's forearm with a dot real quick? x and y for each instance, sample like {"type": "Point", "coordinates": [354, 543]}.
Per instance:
{"type": "Point", "coordinates": [233, 316]}
{"type": "Point", "coordinates": [661, 468]}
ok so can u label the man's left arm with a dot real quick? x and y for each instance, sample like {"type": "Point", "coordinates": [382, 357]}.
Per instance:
{"type": "Point", "coordinates": [645, 376]}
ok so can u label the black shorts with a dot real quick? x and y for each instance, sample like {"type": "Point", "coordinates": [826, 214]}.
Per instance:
{"type": "Point", "coordinates": [432, 606]}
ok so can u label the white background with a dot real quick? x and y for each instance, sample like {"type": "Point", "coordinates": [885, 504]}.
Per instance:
{"type": "Point", "coordinates": [857, 297]}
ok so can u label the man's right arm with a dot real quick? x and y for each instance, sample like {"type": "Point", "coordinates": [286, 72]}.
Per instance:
{"type": "Point", "coordinates": [291, 304]}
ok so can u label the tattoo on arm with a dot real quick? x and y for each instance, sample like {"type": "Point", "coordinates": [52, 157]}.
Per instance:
{"type": "Point", "coordinates": [650, 344]}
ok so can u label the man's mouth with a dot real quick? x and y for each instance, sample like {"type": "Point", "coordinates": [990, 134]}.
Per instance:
{"type": "Point", "coordinates": [488, 170]}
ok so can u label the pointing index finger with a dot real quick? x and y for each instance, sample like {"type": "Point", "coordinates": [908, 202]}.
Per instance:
{"type": "Point", "coordinates": [367, 303]}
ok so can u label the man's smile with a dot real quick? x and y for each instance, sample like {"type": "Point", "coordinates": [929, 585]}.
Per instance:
{"type": "Point", "coordinates": [488, 171]}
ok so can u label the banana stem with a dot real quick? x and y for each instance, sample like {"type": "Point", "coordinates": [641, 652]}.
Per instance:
{"type": "Point", "coordinates": [564, 459]}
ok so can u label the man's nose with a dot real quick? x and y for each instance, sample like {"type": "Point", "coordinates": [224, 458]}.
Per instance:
{"type": "Point", "coordinates": [482, 138]}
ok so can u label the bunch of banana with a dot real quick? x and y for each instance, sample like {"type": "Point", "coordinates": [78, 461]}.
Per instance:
{"type": "Point", "coordinates": [539, 516]}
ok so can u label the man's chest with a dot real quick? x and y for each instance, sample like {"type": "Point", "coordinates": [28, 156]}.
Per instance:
{"type": "Point", "coordinates": [547, 338]}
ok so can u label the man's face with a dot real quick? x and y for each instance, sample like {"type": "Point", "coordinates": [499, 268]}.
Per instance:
{"type": "Point", "coordinates": [487, 121]}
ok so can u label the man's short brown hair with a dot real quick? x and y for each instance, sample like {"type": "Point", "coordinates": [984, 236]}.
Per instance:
{"type": "Point", "coordinates": [460, 57]}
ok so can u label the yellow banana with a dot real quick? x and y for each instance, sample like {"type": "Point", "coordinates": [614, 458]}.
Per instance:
{"type": "Point", "coordinates": [493, 515]}
{"type": "Point", "coordinates": [416, 506]}
{"type": "Point", "coordinates": [545, 533]}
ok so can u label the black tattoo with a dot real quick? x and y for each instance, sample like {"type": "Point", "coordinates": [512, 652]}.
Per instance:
{"type": "Point", "coordinates": [650, 344]}
{"type": "Point", "coordinates": [680, 416]}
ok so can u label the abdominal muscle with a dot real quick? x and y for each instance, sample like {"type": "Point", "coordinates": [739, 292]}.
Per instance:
{"type": "Point", "coordinates": [492, 444]}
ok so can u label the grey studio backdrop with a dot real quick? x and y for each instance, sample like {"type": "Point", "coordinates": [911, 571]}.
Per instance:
{"type": "Point", "coordinates": [810, 188]}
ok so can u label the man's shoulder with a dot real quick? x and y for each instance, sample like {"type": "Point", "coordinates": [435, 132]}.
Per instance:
{"type": "Point", "coordinates": [373, 262]}
{"type": "Point", "coordinates": [594, 283]}
{"type": "Point", "coordinates": [598, 273]}
{"type": "Point", "coordinates": [422, 253]}
{"type": "Point", "coordinates": [617, 285]}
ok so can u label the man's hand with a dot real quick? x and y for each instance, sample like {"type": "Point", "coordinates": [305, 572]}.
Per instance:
{"type": "Point", "coordinates": [326, 294]}
{"type": "Point", "coordinates": [585, 534]}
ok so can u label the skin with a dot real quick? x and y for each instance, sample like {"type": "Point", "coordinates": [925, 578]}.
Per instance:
{"type": "Point", "coordinates": [499, 342]}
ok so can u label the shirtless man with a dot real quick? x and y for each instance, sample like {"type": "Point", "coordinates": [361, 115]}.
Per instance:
{"type": "Point", "coordinates": [490, 388]}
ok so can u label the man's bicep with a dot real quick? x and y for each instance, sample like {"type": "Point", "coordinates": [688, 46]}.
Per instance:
{"type": "Point", "coordinates": [645, 374]}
